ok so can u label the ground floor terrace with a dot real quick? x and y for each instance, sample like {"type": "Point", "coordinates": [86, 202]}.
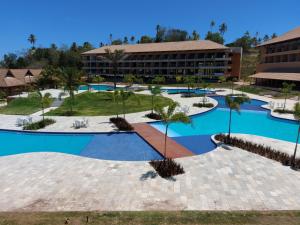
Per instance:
{"type": "Point", "coordinates": [216, 179]}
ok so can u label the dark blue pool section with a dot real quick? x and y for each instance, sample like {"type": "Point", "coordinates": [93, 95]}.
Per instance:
{"type": "Point", "coordinates": [120, 146]}
{"type": "Point", "coordinates": [254, 104]}
{"type": "Point", "coordinates": [198, 144]}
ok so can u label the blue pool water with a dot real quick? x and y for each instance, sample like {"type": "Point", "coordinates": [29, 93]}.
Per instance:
{"type": "Point", "coordinates": [109, 146]}
{"type": "Point", "coordinates": [184, 90]}
{"type": "Point", "coordinates": [255, 121]}
{"type": "Point", "coordinates": [97, 87]}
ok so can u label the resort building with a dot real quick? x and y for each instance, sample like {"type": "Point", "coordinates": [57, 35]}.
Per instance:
{"type": "Point", "coordinates": [201, 58]}
{"type": "Point", "coordinates": [279, 60]}
{"type": "Point", "coordinates": [13, 81]}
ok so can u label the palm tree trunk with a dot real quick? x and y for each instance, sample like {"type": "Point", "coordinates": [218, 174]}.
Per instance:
{"type": "Point", "coordinates": [166, 135]}
{"type": "Point", "coordinates": [284, 102]}
{"type": "Point", "coordinates": [117, 109]}
{"type": "Point", "coordinates": [295, 151]}
{"type": "Point", "coordinates": [115, 79]}
{"type": "Point", "coordinates": [152, 104]}
{"type": "Point", "coordinates": [43, 112]}
{"type": "Point", "coordinates": [229, 127]}
{"type": "Point", "coordinates": [123, 103]}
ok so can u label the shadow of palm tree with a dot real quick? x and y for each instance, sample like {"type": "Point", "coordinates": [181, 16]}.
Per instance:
{"type": "Point", "coordinates": [148, 175]}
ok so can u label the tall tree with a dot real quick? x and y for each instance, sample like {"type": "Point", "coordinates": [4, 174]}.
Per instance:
{"type": "Point", "coordinates": [234, 103]}
{"type": "Point", "coordinates": [156, 90]}
{"type": "Point", "coordinates": [32, 40]}
{"type": "Point", "coordinates": [114, 59]}
{"type": "Point", "coordinates": [170, 116]}
{"type": "Point", "coordinates": [125, 41]}
{"type": "Point", "coordinates": [146, 39]}
{"type": "Point", "coordinates": [286, 90]}
{"type": "Point", "coordinates": [212, 25]}
{"type": "Point", "coordinates": [124, 96]}
{"type": "Point", "coordinates": [196, 35]}
{"type": "Point", "coordinates": [45, 101]}
{"type": "Point", "coordinates": [297, 116]}
{"type": "Point", "coordinates": [71, 78]}
{"type": "Point", "coordinates": [110, 38]}
{"type": "Point", "coordinates": [132, 39]}
{"type": "Point", "coordinates": [223, 28]}
{"type": "Point", "coordinates": [216, 37]}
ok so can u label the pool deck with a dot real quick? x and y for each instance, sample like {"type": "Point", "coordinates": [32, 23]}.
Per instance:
{"type": "Point", "coordinates": [156, 139]}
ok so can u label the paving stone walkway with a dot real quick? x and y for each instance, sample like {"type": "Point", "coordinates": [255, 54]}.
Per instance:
{"type": "Point", "coordinates": [218, 180]}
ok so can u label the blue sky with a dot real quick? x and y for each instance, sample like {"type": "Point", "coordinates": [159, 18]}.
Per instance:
{"type": "Point", "coordinates": [65, 21]}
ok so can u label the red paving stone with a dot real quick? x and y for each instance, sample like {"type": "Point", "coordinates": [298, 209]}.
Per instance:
{"type": "Point", "coordinates": [157, 140]}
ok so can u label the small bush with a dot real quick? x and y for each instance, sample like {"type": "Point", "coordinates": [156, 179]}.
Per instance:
{"type": "Point", "coordinates": [262, 150]}
{"type": "Point", "coordinates": [39, 124]}
{"type": "Point", "coordinates": [283, 111]}
{"type": "Point", "coordinates": [206, 105]}
{"type": "Point", "coordinates": [121, 123]}
{"type": "Point", "coordinates": [153, 116]}
{"type": "Point", "coordinates": [167, 168]}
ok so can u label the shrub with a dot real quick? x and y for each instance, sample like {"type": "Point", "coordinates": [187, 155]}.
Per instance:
{"type": "Point", "coordinates": [153, 116]}
{"type": "Point", "coordinates": [191, 95]}
{"type": "Point", "coordinates": [262, 150]}
{"type": "Point", "coordinates": [167, 167]}
{"type": "Point", "coordinates": [206, 105]}
{"type": "Point", "coordinates": [121, 124]}
{"type": "Point", "coordinates": [39, 124]}
{"type": "Point", "coordinates": [282, 111]}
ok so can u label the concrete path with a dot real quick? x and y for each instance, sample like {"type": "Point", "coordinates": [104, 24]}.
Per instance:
{"type": "Point", "coordinates": [218, 180]}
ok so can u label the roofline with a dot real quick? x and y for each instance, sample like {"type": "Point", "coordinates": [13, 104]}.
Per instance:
{"type": "Point", "coordinates": [143, 44]}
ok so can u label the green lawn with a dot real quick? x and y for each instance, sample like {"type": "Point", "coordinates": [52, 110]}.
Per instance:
{"type": "Point", "coordinates": [22, 106]}
{"type": "Point", "coordinates": [152, 218]}
{"type": "Point", "coordinates": [100, 103]}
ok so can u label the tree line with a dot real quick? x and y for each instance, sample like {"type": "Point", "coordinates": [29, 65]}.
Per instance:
{"type": "Point", "coordinates": [69, 56]}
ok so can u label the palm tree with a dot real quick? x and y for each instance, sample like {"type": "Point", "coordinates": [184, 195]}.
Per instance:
{"type": "Point", "coordinates": [223, 28]}
{"type": "Point", "coordinates": [297, 116]}
{"type": "Point", "coordinates": [132, 39]}
{"type": "Point", "coordinates": [116, 99]}
{"type": "Point", "coordinates": [234, 103]}
{"type": "Point", "coordinates": [156, 90]}
{"type": "Point", "coordinates": [124, 96]}
{"type": "Point", "coordinates": [204, 85]}
{"type": "Point", "coordinates": [196, 35]}
{"type": "Point", "coordinates": [32, 40]}
{"type": "Point", "coordinates": [71, 78]}
{"type": "Point", "coordinates": [170, 116]}
{"type": "Point", "coordinates": [212, 24]}
{"type": "Point", "coordinates": [114, 59]}
{"type": "Point", "coordinates": [190, 81]}
{"type": "Point", "coordinates": [286, 89]}
{"type": "Point", "coordinates": [45, 101]}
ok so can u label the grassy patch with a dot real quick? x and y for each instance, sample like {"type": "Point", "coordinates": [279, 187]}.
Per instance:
{"type": "Point", "coordinates": [22, 106]}
{"type": "Point", "coordinates": [150, 218]}
{"type": "Point", "coordinates": [39, 124]}
{"type": "Point", "coordinates": [101, 103]}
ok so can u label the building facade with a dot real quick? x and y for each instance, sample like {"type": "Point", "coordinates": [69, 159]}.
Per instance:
{"type": "Point", "coordinates": [279, 60]}
{"type": "Point", "coordinates": [201, 58]}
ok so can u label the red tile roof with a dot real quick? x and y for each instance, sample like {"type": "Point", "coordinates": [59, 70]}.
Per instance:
{"type": "Point", "coordinates": [277, 76]}
{"type": "Point", "coordinates": [293, 34]}
{"type": "Point", "coordinates": [161, 47]}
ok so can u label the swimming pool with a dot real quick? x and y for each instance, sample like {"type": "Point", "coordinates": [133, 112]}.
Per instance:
{"type": "Point", "coordinates": [185, 90]}
{"type": "Point", "coordinates": [251, 120]}
{"type": "Point", "coordinates": [108, 146]}
{"type": "Point", "coordinates": [97, 87]}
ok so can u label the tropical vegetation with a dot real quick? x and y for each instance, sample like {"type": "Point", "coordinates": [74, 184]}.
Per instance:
{"type": "Point", "coordinates": [234, 103]}
{"type": "Point", "coordinates": [169, 116]}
